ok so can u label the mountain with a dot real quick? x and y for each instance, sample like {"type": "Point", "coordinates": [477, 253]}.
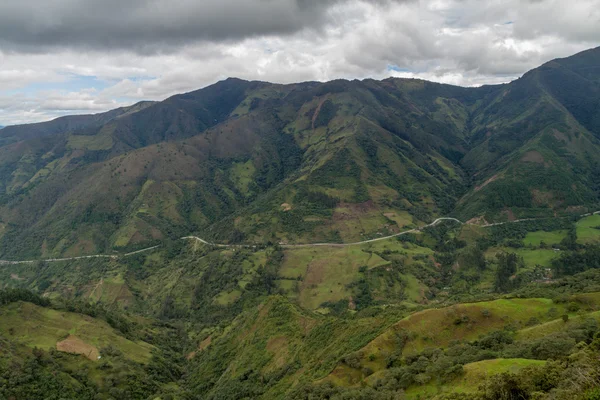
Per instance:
{"type": "Point", "coordinates": [17, 133]}
{"type": "Point", "coordinates": [279, 176]}
{"type": "Point", "coordinates": [537, 140]}
{"type": "Point", "coordinates": [339, 161]}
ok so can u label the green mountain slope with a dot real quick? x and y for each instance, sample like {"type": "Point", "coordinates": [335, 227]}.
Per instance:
{"type": "Point", "coordinates": [66, 124]}
{"type": "Point", "coordinates": [432, 314]}
{"type": "Point", "coordinates": [445, 311]}
{"type": "Point", "coordinates": [534, 148]}
{"type": "Point", "coordinates": [318, 147]}
{"type": "Point", "coordinates": [77, 350]}
{"type": "Point", "coordinates": [341, 161]}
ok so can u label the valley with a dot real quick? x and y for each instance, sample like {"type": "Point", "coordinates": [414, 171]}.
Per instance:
{"type": "Point", "coordinates": [393, 239]}
{"type": "Point", "coordinates": [434, 223]}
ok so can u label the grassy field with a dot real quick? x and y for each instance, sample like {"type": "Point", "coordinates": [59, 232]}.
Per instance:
{"type": "Point", "coordinates": [112, 290]}
{"type": "Point", "coordinates": [43, 328]}
{"type": "Point", "coordinates": [322, 274]}
{"type": "Point", "coordinates": [531, 257]}
{"type": "Point", "coordinates": [550, 238]}
{"type": "Point", "coordinates": [326, 271]}
{"type": "Point", "coordinates": [588, 230]}
{"type": "Point", "coordinates": [402, 218]}
{"type": "Point", "coordinates": [475, 374]}
{"type": "Point", "coordinates": [414, 289]}
{"type": "Point", "coordinates": [355, 224]}
{"type": "Point", "coordinates": [553, 326]}
{"type": "Point", "coordinates": [439, 327]}
{"type": "Point", "coordinates": [393, 245]}
{"type": "Point", "coordinates": [241, 175]}
{"type": "Point", "coordinates": [224, 298]}
{"type": "Point", "coordinates": [471, 233]}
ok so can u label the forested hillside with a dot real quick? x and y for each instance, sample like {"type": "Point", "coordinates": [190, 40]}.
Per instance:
{"type": "Point", "coordinates": [339, 161]}
{"type": "Point", "coordinates": [232, 232]}
{"type": "Point", "coordinates": [453, 311]}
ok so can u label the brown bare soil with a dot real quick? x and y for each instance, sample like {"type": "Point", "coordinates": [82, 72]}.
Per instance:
{"type": "Point", "coordinates": [510, 215]}
{"type": "Point", "coordinates": [315, 273]}
{"type": "Point", "coordinates": [355, 210]}
{"type": "Point", "coordinates": [205, 343]}
{"type": "Point", "coordinates": [317, 111]}
{"type": "Point", "coordinates": [533, 156]}
{"type": "Point", "coordinates": [202, 346]}
{"type": "Point", "coordinates": [351, 304]}
{"type": "Point", "coordinates": [307, 324]}
{"type": "Point", "coordinates": [484, 184]}
{"type": "Point", "coordinates": [560, 136]}
{"type": "Point", "coordinates": [74, 345]}
{"type": "Point", "coordinates": [279, 347]}
{"type": "Point", "coordinates": [542, 198]}
{"type": "Point", "coordinates": [477, 221]}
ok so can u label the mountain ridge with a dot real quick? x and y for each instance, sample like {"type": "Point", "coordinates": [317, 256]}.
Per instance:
{"type": "Point", "coordinates": [337, 161]}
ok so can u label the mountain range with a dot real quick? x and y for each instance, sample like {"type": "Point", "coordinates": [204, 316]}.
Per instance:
{"type": "Point", "coordinates": [340, 161]}
{"type": "Point", "coordinates": [395, 239]}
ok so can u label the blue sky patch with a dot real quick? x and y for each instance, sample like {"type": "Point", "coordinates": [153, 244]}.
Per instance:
{"type": "Point", "coordinates": [397, 68]}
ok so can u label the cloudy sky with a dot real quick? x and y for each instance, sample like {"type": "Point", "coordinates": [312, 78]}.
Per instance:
{"type": "Point", "coordinates": [62, 57]}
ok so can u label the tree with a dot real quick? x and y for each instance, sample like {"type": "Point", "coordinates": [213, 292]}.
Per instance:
{"type": "Point", "coordinates": [507, 267]}
{"type": "Point", "coordinates": [473, 257]}
{"type": "Point", "coordinates": [505, 386]}
{"type": "Point", "coordinates": [573, 262]}
{"type": "Point", "coordinates": [570, 241]}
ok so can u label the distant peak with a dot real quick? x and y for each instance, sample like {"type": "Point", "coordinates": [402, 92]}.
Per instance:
{"type": "Point", "coordinates": [231, 80]}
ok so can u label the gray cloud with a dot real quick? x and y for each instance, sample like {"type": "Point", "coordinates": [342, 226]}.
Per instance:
{"type": "Point", "coordinates": [152, 25]}
{"type": "Point", "coordinates": [151, 49]}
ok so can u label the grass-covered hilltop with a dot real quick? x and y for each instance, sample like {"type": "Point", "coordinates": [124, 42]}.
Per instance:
{"type": "Point", "coordinates": [395, 239]}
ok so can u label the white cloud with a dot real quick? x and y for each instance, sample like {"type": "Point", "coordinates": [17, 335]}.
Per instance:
{"type": "Point", "coordinates": [462, 42]}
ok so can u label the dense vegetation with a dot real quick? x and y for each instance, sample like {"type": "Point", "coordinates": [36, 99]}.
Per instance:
{"type": "Point", "coordinates": [451, 311]}
{"type": "Point", "coordinates": [252, 162]}
{"type": "Point", "coordinates": [243, 324]}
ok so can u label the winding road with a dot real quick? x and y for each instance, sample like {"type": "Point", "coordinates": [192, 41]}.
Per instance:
{"type": "Point", "coordinates": [287, 246]}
